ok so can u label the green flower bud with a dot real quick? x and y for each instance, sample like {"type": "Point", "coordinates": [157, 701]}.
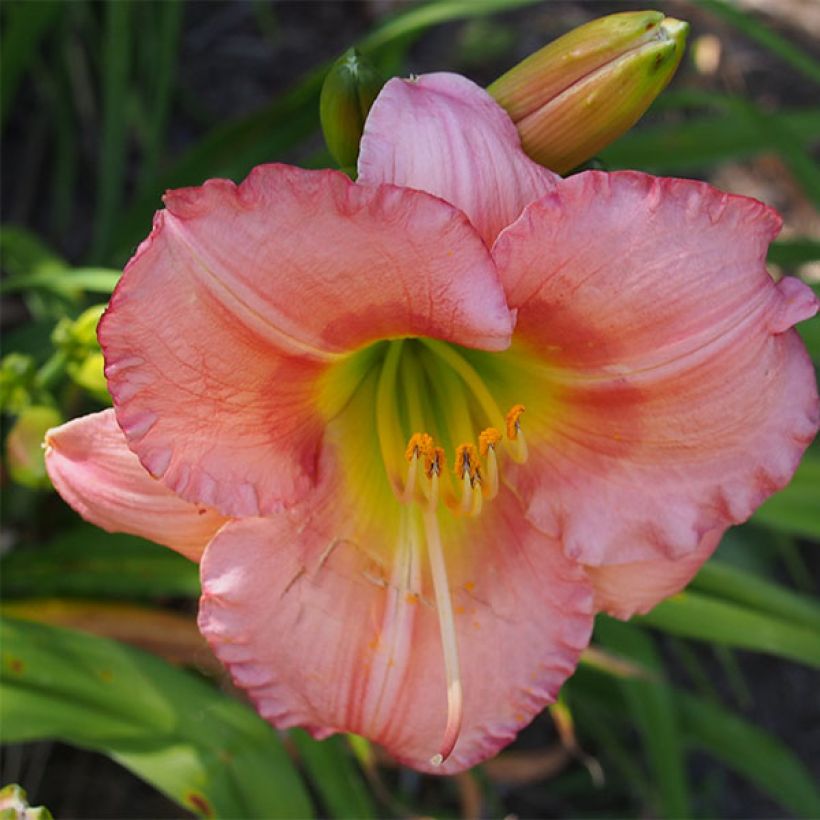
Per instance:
{"type": "Point", "coordinates": [77, 340]}
{"type": "Point", "coordinates": [24, 446]}
{"type": "Point", "coordinates": [582, 91]}
{"type": "Point", "coordinates": [18, 374]}
{"type": "Point", "coordinates": [349, 89]}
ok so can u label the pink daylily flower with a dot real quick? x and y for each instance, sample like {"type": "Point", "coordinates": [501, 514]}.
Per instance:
{"type": "Point", "coordinates": [419, 428]}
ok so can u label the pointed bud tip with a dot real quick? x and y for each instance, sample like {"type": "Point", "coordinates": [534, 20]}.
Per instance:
{"type": "Point", "coordinates": [581, 92]}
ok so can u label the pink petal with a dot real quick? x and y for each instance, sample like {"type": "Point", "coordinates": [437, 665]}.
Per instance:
{"type": "Point", "coordinates": [443, 134]}
{"type": "Point", "coordinates": [241, 298]}
{"type": "Point", "coordinates": [669, 396]}
{"type": "Point", "coordinates": [625, 589]}
{"type": "Point", "coordinates": [331, 631]}
{"type": "Point", "coordinates": [92, 468]}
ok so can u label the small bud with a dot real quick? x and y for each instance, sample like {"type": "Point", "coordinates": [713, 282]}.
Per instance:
{"type": "Point", "coordinates": [77, 340]}
{"type": "Point", "coordinates": [349, 89]}
{"type": "Point", "coordinates": [18, 376]}
{"type": "Point", "coordinates": [24, 446]}
{"type": "Point", "coordinates": [582, 91]}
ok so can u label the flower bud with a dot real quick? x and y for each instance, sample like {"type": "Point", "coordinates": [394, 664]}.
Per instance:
{"type": "Point", "coordinates": [24, 446]}
{"type": "Point", "coordinates": [348, 92]}
{"type": "Point", "coordinates": [582, 91]}
{"type": "Point", "coordinates": [18, 376]}
{"type": "Point", "coordinates": [77, 340]}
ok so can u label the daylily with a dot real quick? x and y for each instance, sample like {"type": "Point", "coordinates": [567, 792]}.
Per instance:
{"type": "Point", "coordinates": [420, 427]}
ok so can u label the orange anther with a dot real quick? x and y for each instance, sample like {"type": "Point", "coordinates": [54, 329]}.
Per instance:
{"type": "Point", "coordinates": [488, 438]}
{"type": "Point", "coordinates": [513, 424]}
{"type": "Point", "coordinates": [466, 461]}
{"type": "Point", "coordinates": [436, 461]}
{"type": "Point", "coordinates": [419, 446]}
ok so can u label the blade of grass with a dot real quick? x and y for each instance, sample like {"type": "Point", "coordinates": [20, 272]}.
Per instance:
{"type": "Point", "coordinates": [26, 24]}
{"type": "Point", "coordinates": [66, 156]}
{"type": "Point", "coordinates": [65, 281]}
{"type": "Point", "coordinates": [116, 60]}
{"type": "Point", "coordinates": [86, 561]}
{"type": "Point", "coordinates": [721, 579]}
{"type": "Point", "coordinates": [794, 252]}
{"type": "Point", "coordinates": [162, 59]}
{"type": "Point", "coordinates": [697, 615]}
{"type": "Point", "coordinates": [748, 750]}
{"type": "Point", "coordinates": [755, 754]}
{"type": "Point", "coordinates": [796, 509]}
{"type": "Point", "coordinates": [234, 148]}
{"type": "Point", "coordinates": [335, 775]}
{"type": "Point", "coordinates": [209, 753]}
{"type": "Point", "coordinates": [654, 711]}
{"type": "Point", "coordinates": [764, 35]}
{"type": "Point", "coordinates": [703, 142]}
{"type": "Point", "coordinates": [430, 14]}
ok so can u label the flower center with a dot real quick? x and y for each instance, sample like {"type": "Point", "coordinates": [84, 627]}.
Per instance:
{"type": "Point", "coordinates": [429, 407]}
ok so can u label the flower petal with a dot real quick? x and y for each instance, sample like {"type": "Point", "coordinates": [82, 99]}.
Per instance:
{"type": "Point", "coordinates": [443, 134]}
{"type": "Point", "coordinates": [623, 590]}
{"type": "Point", "coordinates": [92, 468]}
{"type": "Point", "coordinates": [669, 396]}
{"type": "Point", "coordinates": [335, 633]}
{"type": "Point", "coordinates": [241, 297]}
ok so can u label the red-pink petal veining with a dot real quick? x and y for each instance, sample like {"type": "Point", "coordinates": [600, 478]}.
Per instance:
{"type": "Point", "coordinates": [322, 632]}
{"type": "Point", "coordinates": [676, 399]}
{"type": "Point", "coordinates": [242, 297]}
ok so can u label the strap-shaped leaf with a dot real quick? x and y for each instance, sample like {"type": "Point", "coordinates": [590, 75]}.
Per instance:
{"type": "Point", "coordinates": [208, 752]}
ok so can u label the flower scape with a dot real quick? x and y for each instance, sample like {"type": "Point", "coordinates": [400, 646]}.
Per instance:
{"type": "Point", "coordinates": [419, 428]}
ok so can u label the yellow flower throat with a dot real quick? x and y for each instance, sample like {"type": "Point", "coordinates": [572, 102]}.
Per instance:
{"type": "Point", "coordinates": [425, 398]}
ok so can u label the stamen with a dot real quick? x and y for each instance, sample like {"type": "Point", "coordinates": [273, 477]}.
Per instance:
{"type": "Point", "coordinates": [418, 449]}
{"type": "Point", "coordinates": [447, 628]}
{"type": "Point", "coordinates": [478, 496]}
{"type": "Point", "coordinates": [467, 469]}
{"type": "Point", "coordinates": [436, 462]}
{"type": "Point", "coordinates": [513, 421]}
{"type": "Point", "coordinates": [516, 434]}
{"type": "Point", "coordinates": [419, 444]}
{"type": "Point", "coordinates": [487, 441]}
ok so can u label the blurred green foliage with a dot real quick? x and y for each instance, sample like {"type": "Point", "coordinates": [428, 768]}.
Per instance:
{"type": "Point", "coordinates": [113, 69]}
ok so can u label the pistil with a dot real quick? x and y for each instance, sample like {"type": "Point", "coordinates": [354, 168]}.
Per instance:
{"type": "Point", "coordinates": [447, 628]}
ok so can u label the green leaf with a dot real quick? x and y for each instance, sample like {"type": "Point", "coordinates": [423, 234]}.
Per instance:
{"type": "Point", "coordinates": [748, 750]}
{"type": "Point", "coordinates": [722, 579]}
{"type": "Point", "coordinates": [24, 27]}
{"type": "Point", "coordinates": [751, 752]}
{"type": "Point", "coordinates": [64, 281]}
{"type": "Point", "coordinates": [704, 142]}
{"type": "Point", "coordinates": [160, 52]}
{"type": "Point", "coordinates": [796, 509]}
{"type": "Point", "coordinates": [24, 253]}
{"type": "Point", "coordinates": [653, 709]}
{"type": "Point", "coordinates": [810, 334]}
{"type": "Point", "coordinates": [116, 57]}
{"type": "Point", "coordinates": [232, 149]}
{"type": "Point", "coordinates": [696, 615]}
{"type": "Point", "coordinates": [86, 561]}
{"type": "Point", "coordinates": [335, 775]}
{"type": "Point", "coordinates": [767, 37]}
{"type": "Point", "coordinates": [208, 752]}
{"type": "Point", "coordinates": [794, 252]}
{"type": "Point", "coordinates": [434, 13]}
